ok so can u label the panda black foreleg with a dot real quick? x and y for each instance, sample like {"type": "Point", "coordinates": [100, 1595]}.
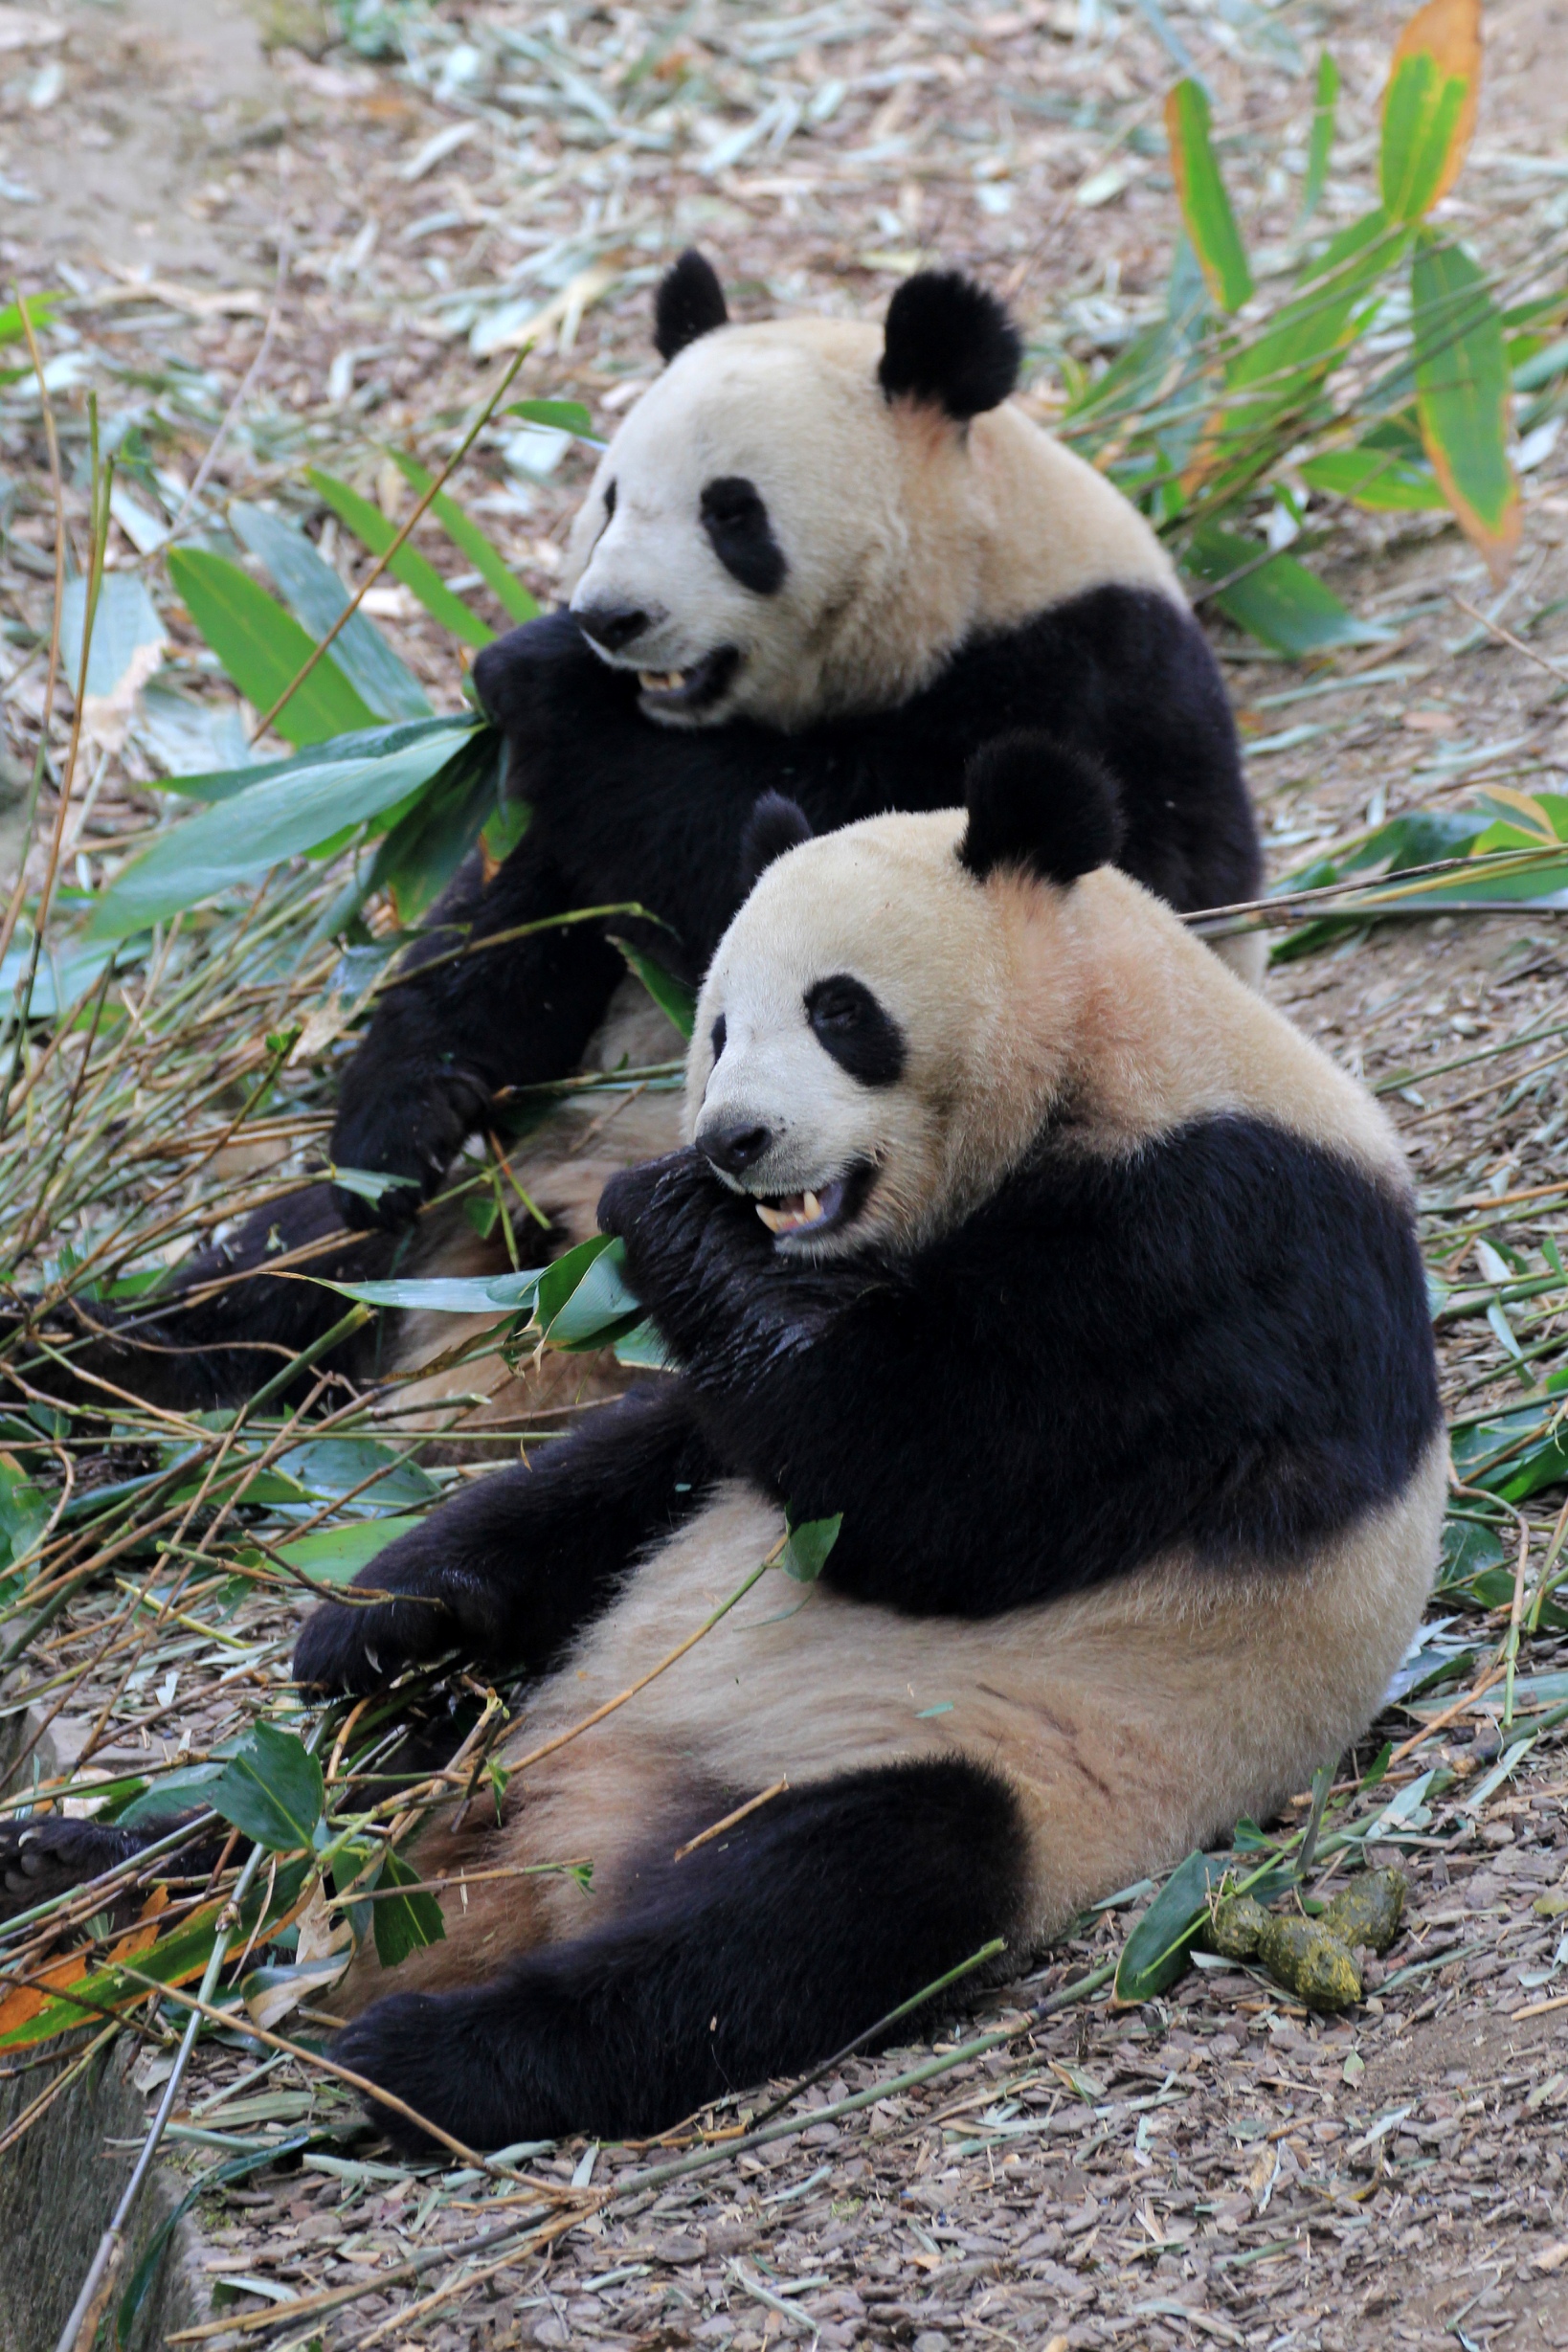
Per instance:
{"type": "Point", "coordinates": [754, 1956]}
{"type": "Point", "coordinates": [224, 1324]}
{"type": "Point", "coordinates": [464, 1020]}
{"type": "Point", "coordinates": [50, 1854]}
{"type": "Point", "coordinates": [509, 1569]}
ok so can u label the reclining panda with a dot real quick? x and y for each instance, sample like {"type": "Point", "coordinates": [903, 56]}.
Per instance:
{"type": "Point", "coordinates": [1016, 1231]}
{"type": "Point", "coordinates": [819, 558]}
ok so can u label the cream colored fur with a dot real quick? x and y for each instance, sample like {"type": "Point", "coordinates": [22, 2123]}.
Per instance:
{"type": "Point", "coordinates": [1133, 1722]}
{"type": "Point", "coordinates": [904, 532]}
{"type": "Point", "coordinates": [1020, 1002]}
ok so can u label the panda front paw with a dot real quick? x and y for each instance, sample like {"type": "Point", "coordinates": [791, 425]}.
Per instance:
{"type": "Point", "coordinates": [400, 1118]}
{"type": "Point", "coordinates": [511, 675]}
{"type": "Point", "coordinates": [429, 1611]}
{"type": "Point", "coordinates": [50, 1855]}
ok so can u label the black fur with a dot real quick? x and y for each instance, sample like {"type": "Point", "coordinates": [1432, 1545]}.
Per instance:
{"type": "Point", "coordinates": [755, 1957]}
{"type": "Point", "coordinates": [625, 810]}
{"type": "Point", "coordinates": [511, 1568]}
{"type": "Point", "coordinates": [1033, 804]}
{"type": "Point", "coordinates": [225, 1321]}
{"type": "Point", "coordinates": [949, 341]}
{"type": "Point", "coordinates": [741, 533]}
{"type": "Point", "coordinates": [689, 303]}
{"type": "Point", "coordinates": [52, 1854]}
{"type": "Point", "coordinates": [859, 1032]}
{"type": "Point", "coordinates": [1221, 1339]}
{"type": "Point", "coordinates": [775, 827]}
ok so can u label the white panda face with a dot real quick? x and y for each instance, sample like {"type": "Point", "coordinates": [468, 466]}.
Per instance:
{"type": "Point", "coordinates": [855, 1068]}
{"type": "Point", "coordinates": [746, 533]}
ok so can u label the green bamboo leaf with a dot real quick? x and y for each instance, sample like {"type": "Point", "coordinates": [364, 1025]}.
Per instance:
{"type": "Point", "coordinates": [1275, 597]}
{"type": "Point", "coordinates": [1321, 138]}
{"type": "Point", "coordinates": [262, 648]}
{"type": "Point", "coordinates": [1156, 1952]}
{"type": "Point", "coordinates": [1205, 207]}
{"type": "Point", "coordinates": [292, 808]}
{"type": "Point", "coordinates": [1386, 471]}
{"type": "Point", "coordinates": [336, 1555]}
{"type": "Point", "coordinates": [270, 1788]}
{"type": "Point", "coordinates": [316, 596]}
{"type": "Point", "coordinates": [1429, 107]}
{"type": "Point", "coordinates": [673, 997]}
{"type": "Point", "coordinates": [408, 1922]}
{"type": "Point", "coordinates": [560, 416]}
{"type": "Point", "coordinates": [465, 533]}
{"type": "Point", "coordinates": [1462, 397]}
{"type": "Point", "coordinates": [805, 1554]}
{"type": "Point", "coordinates": [40, 307]}
{"type": "Point", "coordinates": [583, 1299]}
{"type": "Point", "coordinates": [422, 579]}
{"type": "Point", "coordinates": [425, 848]}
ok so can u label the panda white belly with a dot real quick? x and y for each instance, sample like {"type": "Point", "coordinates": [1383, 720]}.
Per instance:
{"type": "Point", "coordinates": [1133, 1722]}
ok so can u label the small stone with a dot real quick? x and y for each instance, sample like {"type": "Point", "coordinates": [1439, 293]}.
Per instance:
{"type": "Point", "coordinates": [1368, 1911]}
{"type": "Point", "coordinates": [1310, 1960]}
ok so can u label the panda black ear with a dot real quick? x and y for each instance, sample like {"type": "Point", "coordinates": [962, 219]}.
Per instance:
{"type": "Point", "coordinates": [948, 341]}
{"type": "Point", "coordinates": [689, 303]}
{"type": "Point", "coordinates": [775, 826]}
{"type": "Point", "coordinates": [1038, 807]}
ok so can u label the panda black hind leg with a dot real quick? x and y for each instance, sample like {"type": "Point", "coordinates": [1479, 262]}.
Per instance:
{"type": "Point", "coordinates": [755, 1956]}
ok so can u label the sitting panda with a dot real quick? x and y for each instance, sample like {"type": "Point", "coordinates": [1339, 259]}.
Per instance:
{"type": "Point", "coordinates": [819, 558]}
{"type": "Point", "coordinates": [1014, 1230]}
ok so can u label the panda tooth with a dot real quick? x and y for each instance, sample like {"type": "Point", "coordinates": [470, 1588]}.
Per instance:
{"type": "Point", "coordinates": [813, 1208]}
{"type": "Point", "coordinates": [774, 1220]}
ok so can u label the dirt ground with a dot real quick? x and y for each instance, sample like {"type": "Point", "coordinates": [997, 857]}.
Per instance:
{"type": "Point", "coordinates": [239, 202]}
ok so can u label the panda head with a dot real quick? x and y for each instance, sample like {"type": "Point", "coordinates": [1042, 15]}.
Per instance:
{"type": "Point", "coordinates": [886, 1024]}
{"type": "Point", "coordinates": [788, 523]}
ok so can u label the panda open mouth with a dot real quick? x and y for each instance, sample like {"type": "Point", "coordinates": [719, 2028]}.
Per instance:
{"type": "Point", "coordinates": [689, 690]}
{"type": "Point", "coordinates": [806, 1216]}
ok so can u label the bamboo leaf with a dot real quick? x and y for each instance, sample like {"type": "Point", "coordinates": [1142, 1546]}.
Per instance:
{"type": "Point", "coordinates": [1321, 138]}
{"type": "Point", "coordinates": [263, 647]}
{"type": "Point", "coordinates": [1156, 1953]}
{"type": "Point", "coordinates": [673, 997]}
{"type": "Point", "coordinates": [1274, 596]}
{"type": "Point", "coordinates": [420, 579]}
{"type": "Point", "coordinates": [290, 808]}
{"type": "Point", "coordinates": [1429, 107]}
{"type": "Point", "coordinates": [271, 1788]}
{"type": "Point", "coordinates": [425, 848]}
{"type": "Point", "coordinates": [560, 416]}
{"type": "Point", "coordinates": [407, 1922]}
{"type": "Point", "coordinates": [465, 533]}
{"type": "Point", "coordinates": [1462, 399]}
{"type": "Point", "coordinates": [805, 1554]}
{"type": "Point", "coordinates": [1386, 471]}
{"type": "Point", "coordinates": [583, 1299]}
{"type": "Point", "coordinates": [316, 596]}
{"type": "Point", "coordinates": [1205, 207]}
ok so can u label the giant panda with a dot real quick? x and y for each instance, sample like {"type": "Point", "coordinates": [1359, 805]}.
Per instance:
{"type": "Point", "coordinates": [1012, 1228]}
{"type": "Point", "coordinates": [823, 558]}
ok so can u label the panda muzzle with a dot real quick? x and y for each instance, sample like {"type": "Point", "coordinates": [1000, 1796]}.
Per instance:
{"type": "Point", "coordinates": [689, 690]}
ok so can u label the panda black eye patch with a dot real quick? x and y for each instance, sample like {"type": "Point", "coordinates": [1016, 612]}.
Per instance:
{"type": "Point", "coordinates": [609, 500]}
{"type": "Point", "coordinates": [861, 1034]}
{"type": "Point", "coordinates": [741, 536]}
{"type": "Point", "coordinates": [717, 1037]}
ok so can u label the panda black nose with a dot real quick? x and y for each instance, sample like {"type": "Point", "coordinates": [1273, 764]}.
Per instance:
{"type": "Point", "coordinates": [612, 625]}
{"type": "Point", "coordinates": [732, 1149]}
